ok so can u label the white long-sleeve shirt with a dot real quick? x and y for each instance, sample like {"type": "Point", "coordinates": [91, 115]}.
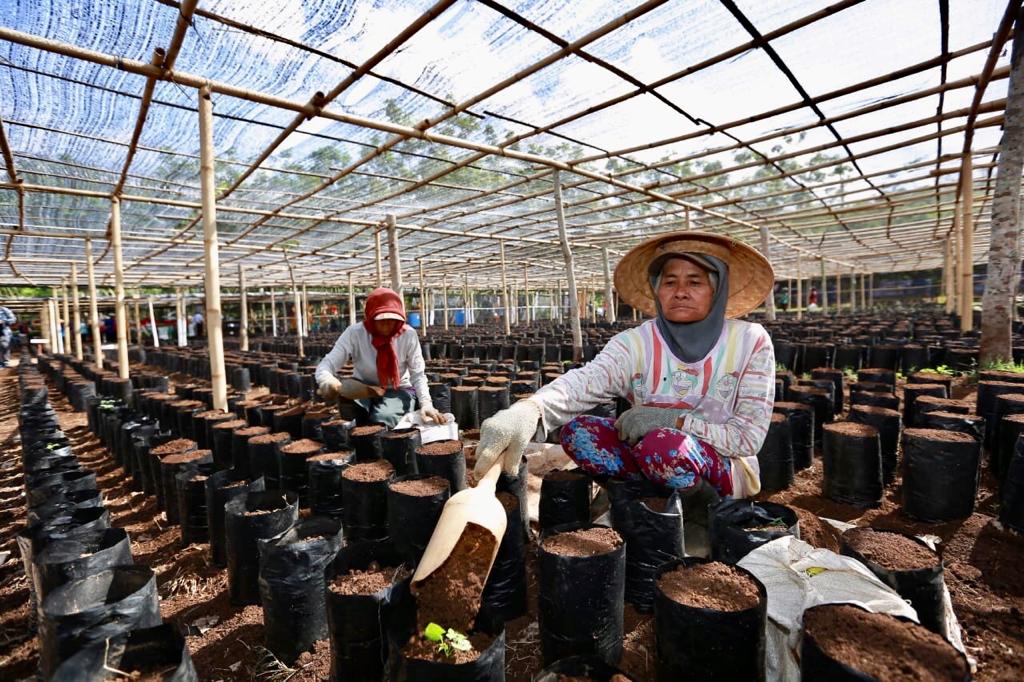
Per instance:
{"type": "Point", "coordinates": [355, 345]}
{"type": "Point", "coordinates": [725, 398]}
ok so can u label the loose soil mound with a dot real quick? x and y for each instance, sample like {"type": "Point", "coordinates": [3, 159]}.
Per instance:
{"type": "Point", "coordinates": [891, 551]}
{"type": "Point", "coordinates": [712, 585]}
{"type": "Point", "coordinates": [816, 532]}
{"type": "Point", "coordinates": [440, 447]}
{"type": "Point", "coordinates": [370, 472]}
{"type": "Point", "coordinates": [304, 446]}
{"type": "Point", "coordinates": [852, 429]}
{"type": "Point", "coordinates": [329, 456]}
{"type": "Point", "coordinates": [252, 431]}
{"type": "Point", "coordinates": [368, 430]}
{"type": "Point", "coordinates": [230, 425]}
{"type": "Point", "coordinates": [938, 435]}
{"type": "Point", "coordinates": [422, 487]}
{"type": "Point", "coordinates": [883, 647]}
{"type": "Point", "coordinates": [182, 457]}
{"type": "Point", "coordinates": [268, 438]}
{"type": "Point", "coordinates": [173, 446]}
{"type": "Point", "coordinates": [370, 581]}
{"type": "Point", "coordinates": [581, 543]}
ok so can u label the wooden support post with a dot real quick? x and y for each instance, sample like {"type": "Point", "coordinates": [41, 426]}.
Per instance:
{"type": "Point", "coordinates": [394, 258]}
{"type": "Point", "coordinates": [824, 287]}
{"type": "Point", "coordinates": [967, 244]}
{"type": "Point", "coordinates": [46, 326]}
{"type": "Point", "coordinates": [610, 312]}
{"type": "Point", "coordinates": [504, 290]}
{"type": "Point", "coordinates": [58, 339]}
{"type": "Point", "coordinates": [211, 250]}
{"type": "Point", "coordinates": [121, 318]}
{"type": "Point", "coordinates": [574, 308]}
{"type": "Point", "coordinates": [769, 301]}
{"type": "Point", "coordinates": [444, 298]}
{"type": "Point", "coordinates": [423, 303]}
{"type": "Point", "coordinates": [871, 290]}
{"type": "Point", "coordinates": [136, 300]}
{"type": "Point", "coordinates": [181, 318]}
{"type": "Point", "coordinates": [66, 317]}
{"type": "Point", "coordinates": [152, 324]}
{"type": "Point", "coordinates": [853, 290]}
{"type": "Point", "coordinates": [466, 303]}
{"type": "Point", "coordinates": [351, 302]}
{"type": "Point", "coordinates": [799, 290]}
{"type": "Point", "coordinates": [77, 320]}
{"type": "Point", "coordinates": [243, 324]}
{"type": "Point", "coordinates": [97, 341]}
{"type": "Point", "coordinates": [863, 297]}
{"type": "Point", "coordinates": [273, 314]}
{"type": "Point", "coordinates": [377, 257]}
{"type": "Point", "coordinates": [839, 290]}
{"type": "Point", "coordinates": [305, 311]}
{"type": "Point", "coordinates": [528, 313]}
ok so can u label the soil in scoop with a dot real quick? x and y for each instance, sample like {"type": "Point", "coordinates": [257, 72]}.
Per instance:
{"type": "Point", "coordinates": [882, 647]}
{"type": "Point", "coordinates": [173, 446]}
{"type": "Point", "coordinates": [450, 596]}
{"type": "Point", "coordinates": [891, 551]}
{"type": "Point", "coordinates": [712, 585]}
{"type": "Point", "coordinates": [509, 501]}
{"type": "Point", "coordinates": [440, 447]}
{"type": "Point", "coordinates": [367, 430]}
{"type": "Point", "coordinates": [369, 472]}
{"type": "Point", "coordinates": [371, 581]}
{"type": "Point", "coordinates": [422, 487]}
{"type": "Point", "coordinates": [580, 543]}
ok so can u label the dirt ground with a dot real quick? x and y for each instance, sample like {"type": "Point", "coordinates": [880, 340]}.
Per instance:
{"type": "Point", "coordinates": [983, 574]}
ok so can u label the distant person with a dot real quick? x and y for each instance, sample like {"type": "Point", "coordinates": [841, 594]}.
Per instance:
{"type": "Point", "coordinates": [7, 318]}
{"type": "Point", "coordinates": [198, 323]}
{"type": "Point", "coordinates": [784, 300]}
{"type": "Point", "coordinates": [110, 329]}
{"type": "Point", "coordinates": [812, 297]}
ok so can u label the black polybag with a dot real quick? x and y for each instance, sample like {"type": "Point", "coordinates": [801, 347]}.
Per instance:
{"type": "Point", "coordinates": [93, 608]}
{"type": "Point", "coordinates": [889, 425]}
{"type": "Point", "coordinates": [852, 468]}
{"type": "Point", "coordinates": [706, 644]}
{"type": "Point", "coordinates": [192, 511]}
{"type": "Point", "coordinates": [159, 649]}
{"type": "Point", "coordinates": [451, 466]}
{"type": "Point", "coordinates": [412, 518]}
{"type": "Point", "coordinates": [588, 667]}
{"type": "Point", "coordinates": [367, 447]}
{"type": "Point", "coordinates": [401, 451]}
{"type": "Point", "coordinates": [581, 604]}
{"type": "Point", "coordinates": [505, 591]}
{"type": "Point", "coordinates": [359, 624]}
{"type": "Point", "coordinates": [940, 479]}
{"type": "Point", "coordinates": [801, 432]}
{"type": "Point", "coordinates": [488, 667]}
{"type": "Point", "coordinates": [364, 513]}
{"type": "Point", "coordinates": [293, 589]}
{"type": "Point", "coordinates": [242, 532]}
{"type": "Point", "coordinates": [77, 555]}
{"type": "Point", "coordinates": [730, 524]}
{"type": "Point", "coordinates": [775, 458]}
{"type": "Point", "coordinates": [564, 500]}
{"type": "Point", "coordinates": [1011, 510]}
{"type": "Point", "coordinates": [220, 488]}
{"type": "Point", "coordinates": [325, 495]}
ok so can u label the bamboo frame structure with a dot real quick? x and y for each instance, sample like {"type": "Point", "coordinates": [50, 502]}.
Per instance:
{"type": "Point", "coordinates": [567, 255]}
{"type": "Point", "coordinates": [152, 323]}
{"type": "Point", "coordinates": [212, 322]}
{"type": "Point", "coordinates": [94, 315]}
{"type": "Point", "coordinates": [243, 325]}
{"type": "Point", "coordinates": [77, 319]}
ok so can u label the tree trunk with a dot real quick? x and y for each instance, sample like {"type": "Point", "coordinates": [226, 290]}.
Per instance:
{"type": "Point", "coordinates": [1003, 254]}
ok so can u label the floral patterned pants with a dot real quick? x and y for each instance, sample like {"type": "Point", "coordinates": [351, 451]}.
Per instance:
{"type": "Point", "coordinates": [669, 457]}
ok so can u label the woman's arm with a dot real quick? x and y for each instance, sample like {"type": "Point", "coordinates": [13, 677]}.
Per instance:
{"type": "Point", "coordinates": [744, 432]}
{"type": "Point", "coordinates": [337, 358]}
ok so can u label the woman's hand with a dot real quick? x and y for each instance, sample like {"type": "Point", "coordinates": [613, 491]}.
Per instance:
{"type": "Point", "coordinates": [330, 389]}
{"type": "Point", "coordinates": [637, 422]}
{"type": "Point", "coordinates": [508, 432]}
{"type": "Point", "coordinates": [429, 414]}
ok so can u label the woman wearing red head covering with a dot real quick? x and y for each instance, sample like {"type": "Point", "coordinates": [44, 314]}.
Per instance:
{"type": "Point", "coordinates": [387, 364]}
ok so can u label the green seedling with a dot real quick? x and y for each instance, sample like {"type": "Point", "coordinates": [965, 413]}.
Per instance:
{"type": "Point", "coordinates": [448, 640]}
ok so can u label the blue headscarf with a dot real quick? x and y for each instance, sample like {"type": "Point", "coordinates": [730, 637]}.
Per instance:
{"type": "Point", "coordinates": [692, 341]}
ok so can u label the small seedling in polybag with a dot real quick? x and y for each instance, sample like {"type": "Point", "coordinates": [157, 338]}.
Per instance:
{"type": "Point", "coordinates": [448, 641]}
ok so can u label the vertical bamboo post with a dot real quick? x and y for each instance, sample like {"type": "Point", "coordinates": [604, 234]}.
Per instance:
{"type": "Point", "coordinates": [769, 301]}
{"type": "Point", "coordinates": [46, 326]}
{"type": "Point", "coordinates": [799, 289]}
{"type": "Point", "coordinates": [273, 314]}
{"type": "Point", "coordinates": [121, 318]}
{"type": "Point", "coordinates": [94, 313]}
{"type": "Point", "coordinates": [967, 244]}
{"type": "Point", "coordinates": [77, 322]}
{"type": "Point", "coordinates": [181, 324]}
{"type": "Point", "coordinates": [824, 287]}
{"type": "Point", "coordinates": [243, 302]}
{"type": "Point", "coordinates": [504, 289]}
{"type": "Point", "coordinates": [528, 313]}
{"type": "Point", "coordinates": [152, 324]}
{"type": "Point", "coordinates": [853, 289]}
{"type": "Point", "coordinates": [377, 257]}
{"type": "Point", "coordinates": [574, 308]}
{"type": "Point", "coordinates": [423, 303]}
{"type": "Point", "coordinates": [948, 280]}
{"type": "Point", "coordinates": [136, 300]}
{"type": "Point", "coordinates": [65, 317]}
{"type": "Point", "coordinates": [610, 313]}
{"type": "Point", "coordinates": [305, 310]}
{"type": "Point", "coordinates": [863, 296]}
{"type": "Point", "coordinates": [58, 340]}
{"type": "Point", "coordinates": [444, 298]}
{"type": "Point", "coordinates": [214, 328]}
{"type": "Point", "coordinates": [351, 301]}
{"type": "Point", "coordinates": [394, 258]}
{"type": "Point", "coordinates": [466, 303]}
{"type": "Point", "coordinates": [298, 316]}
{"type": "Point", "coordinates": [871, 290]}
{"type": "Point", "coordinates": [839, 289]}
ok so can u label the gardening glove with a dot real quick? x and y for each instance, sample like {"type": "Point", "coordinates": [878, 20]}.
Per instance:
{"type": "Point", "coordinates": [330, 389]}
{"type": "Point", "coordinates": [357, 390]}
{"type": "Point", "coordinates": [506, 432]}
{"type": "Point", "coordinates": [429, 414]}
{"type": "Point", "coordinates": [637, 422]}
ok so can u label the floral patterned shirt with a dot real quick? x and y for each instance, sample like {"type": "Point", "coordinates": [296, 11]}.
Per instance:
{"type": "Point", "coordinates": [725, 398]}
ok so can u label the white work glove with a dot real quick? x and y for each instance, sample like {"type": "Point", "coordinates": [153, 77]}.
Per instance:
{"type": "Point", "coordinates": [330, 389]}
{"type": "Point", "coordinates": [508, 432]}
{"type": "Point", "coordinates": [429, 414]}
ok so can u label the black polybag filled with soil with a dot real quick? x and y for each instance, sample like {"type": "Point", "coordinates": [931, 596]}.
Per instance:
{"type": "Point", "coordinates": [77, 555]}
{"type": "Point", "coordinates": [249, 519]}
{"type": "Point", "coordinates": [505, 591]}
{"type": "Point", "coordinates": [581, 603]}
{"type": "Point", "coordinates": [653, 536]}
{"type": "Point", "coordinates": [940, 474]}
{"type": "Point", "coordinates": [736, 527]}
{"type": "Point", "coordinates": [1011, 511]}
{"type": "Point", "coordinates": [489, 666]}
{"type": "Point", "coordinates": [852, 464]}
{"type": "Point", "coordinates": [564, 500]}
{"type": "Point", "coordinates": [450, 465]}
{"type": "Point", "coordinates": [581, 667]}
{"type": "Point", "coordinates": [365, 510]}
{"type": "Point", "coordinates": [359, 623]}
{"type": "Point", "coordinates": [93, 608]}
{"type": "Point", "coordinates": [703, 643]}
{"type": "Point", "coordinates": [158, 650]}
{"type": "Point", "coordinates": [412, 518]}
{"type": "Point", "coordinates": [922, 587]}
{"type": "Point", "coordinates": [192, 511]}
{"type": "Point", "coordinates": [775, 458]}
{"type": "Point", "coordinates": [222, 487]}
{"type": "Point", "coordinates": [516, 486]}
{"type": "Point", "coordinates": [325, 494]}
{"type": "Point", "coordinates": [399, 448]}
{"type": "Point", "coordinates": [293, 588]}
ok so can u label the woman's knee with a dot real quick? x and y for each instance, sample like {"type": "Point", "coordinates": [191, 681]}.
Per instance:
{"type": "Point", "coordinates": [593, 443]}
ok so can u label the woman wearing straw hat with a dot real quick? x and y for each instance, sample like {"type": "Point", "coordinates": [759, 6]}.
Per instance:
{"type": "Point", "coordinates": [388, 368]}
{"type": "Point", "coordinates": [701, 383]}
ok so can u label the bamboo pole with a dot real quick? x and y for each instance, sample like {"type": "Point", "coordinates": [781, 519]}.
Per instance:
{"type": "Point", "coordinates": [182, 319]}
{"type": "Point", "coordinates": [824, 287]}
{"type": "Point", "coordinates": [574, 307]}
{"type": "Point", "coordinates": [58, 340]}
{"type": "Point", "coordinates": [871, 289]}
{"type": "Point", "coordinates": [211, 252]}
{"type": "Point", "coordinates": [94, 315]}
{"type": "Point", "coordinates": [853, 290]}
{"type": "Point", "coordinates": [77, 320]}
{"type": "Point", "coordinates": [466, 303]}
{"type": "Point", "coordinates": [46, 326]}
{"type": "Point", "coordinates": [769, 301]}
{"type": "Point", "coordinates": [138, 320]}
{"type": "Point", "coordinates": [504, 290]}
{"type": "Point", "coordinates": [423, 303]}
{"type": "Point", "coordinates": [444, 298]}
{"type": "Point", "coordinates": [609, 303]}
{"type": "Point", "coordinates": [377, 257]}
{"type": "Point", "coordinates": [351, 301]}
{"type": "Point", "coordinates": [863, 298]}
{"type": "Point", "coordinates": [305, 311]}
{"type": "Point", "coordinates": [121, 317]}
{"type": "Point", "coordinates": [799, 290]}
{"type": "Point", "coordinates": [528, 313]}
{"type": "Point", "coordinates": [152, 323]}
{"type": "Point", "coordinates": [66, 317]}
{"type": "Point", "coordinates": [273, 314]}
{"type": "Point", "coordinates": [243, 325]}
{"type": "Point", "coordinates": [394, 258]}
{"type": "Point", "coordinates": [967, 245]}
{"type": "Point", "coordinates": [839, 291]}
